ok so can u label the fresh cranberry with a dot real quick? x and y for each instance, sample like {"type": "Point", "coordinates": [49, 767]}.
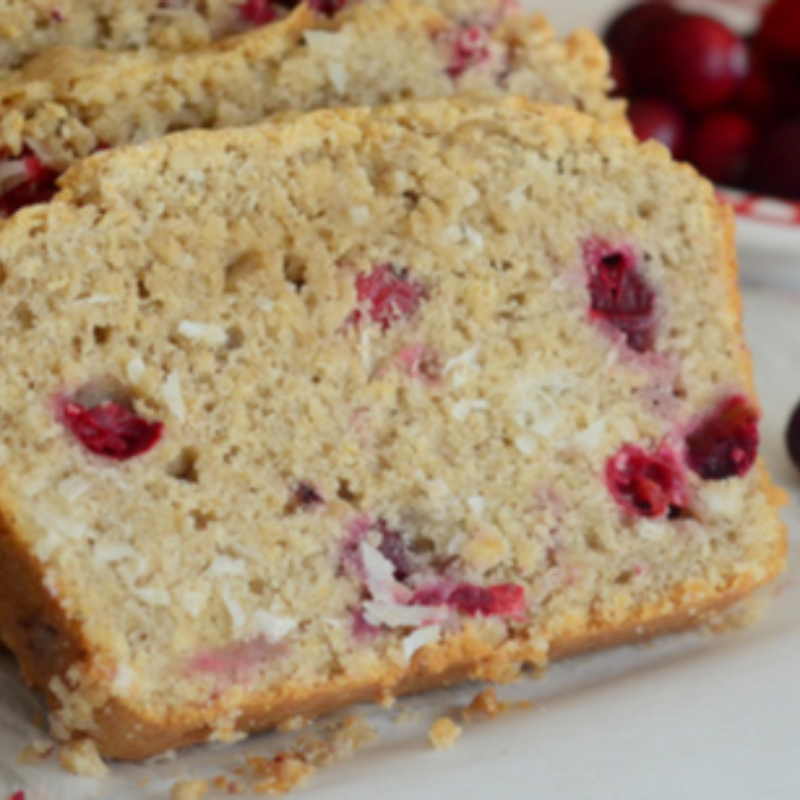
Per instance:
{"type": "Point", "coordinates": [762, 94]}
{"type": "Point", "coordinates": [776, 162]}
{"type": "Point", "coordinates": [647, 484]}
{"type": "Point", "coordinates": [111, 430]}
{"type": "Point", "coordinates": [328, 8]}
{"type": "Point", "coordinates": [394, 549]}
{"type": "Point", "coordinates": [619, 76]}
{"type": "Point", "coordinates": [779, 33]}
{"type": "Point", "coordinates": [259, 12]}
{"type": "Point", "coordinates": [620, 296]}
{"type": "Point", "coordinates": [37, 184]}
{"type": "Point", "coordinates": [502, 600]}
{"type": "Point", "coordinates": [388, 294]}
{"type": "Point", "coordinates": [793, 436]}
{"type": "Point", "coordinates": [469, 46]}
{"type": "Point", "coordinates": [725, 443]}
{"type": "Point", "coordinates": [505, 600]}
{"type": "Point", "coordinates": [305, 496]}
{"type": "Point", "coordinates": [661, 120]}
{"type": "Point", "coordinates": [362, 627]}
{"type": "Point", "coordinates": [692, 59]}
{"type": "Point", "coordinates": [721, 147]}
{"type": "Point", "coordinates": [634, 22]}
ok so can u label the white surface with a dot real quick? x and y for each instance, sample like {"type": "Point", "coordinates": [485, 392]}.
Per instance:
{"type": "Point", "coordinates": [692, 716]}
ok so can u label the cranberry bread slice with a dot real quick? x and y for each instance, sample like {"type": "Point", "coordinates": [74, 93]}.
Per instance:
{"type": "Point", "coordinates": [31, 27]}
{"type": "Point", "coordinates": [362, 402]}
{"type": "Point", "coordinates": [70, 103]}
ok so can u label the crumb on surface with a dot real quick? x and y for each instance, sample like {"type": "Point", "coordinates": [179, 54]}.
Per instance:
{"type": "Point", "coordinates": [486, 704]}
{"type": "Point", "coordinates": [82, 758]}
{"type": "Point", "coordinates": [38, 750]}
{"type": "Point", "coordinates": [279, 775]}
{"type": "Point", "coordinates": [444, 733]}
{"type": "Point", "coordinates": [189, 790]}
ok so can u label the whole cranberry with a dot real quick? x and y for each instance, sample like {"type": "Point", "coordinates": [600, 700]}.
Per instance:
{"type": "Point", "coordinates": [630, 25]}
{"type": "Point", "coordinates": [779, 32]}
{"type": "Point", "coordinates": [761, 94]}
{"type": "Point", "coordinates": [793, 436]}
{"type": "Point", "coordinates": [692, 59]}
{"type": "Point", "coordinates": [776, 162]}
{"type": "Point", "coordinates": [661, 120]}
{"type": "Point", "coordinates": [721, 147]}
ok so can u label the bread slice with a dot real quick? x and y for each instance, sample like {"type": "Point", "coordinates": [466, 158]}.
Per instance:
{"type": "Point", "coordinates": [31, 27]}
{"type": "Point", "coordinates": [70, 103]}
{"type": "Point", "coordinates": [363, 402]}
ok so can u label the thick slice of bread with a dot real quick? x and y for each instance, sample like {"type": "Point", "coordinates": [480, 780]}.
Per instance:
{"type": "Point", "coordinates": [31, 27]}
{"type": "Point", "coordinates": [70, 103]}
{"type": "Point", "coordinates": [362, 402]}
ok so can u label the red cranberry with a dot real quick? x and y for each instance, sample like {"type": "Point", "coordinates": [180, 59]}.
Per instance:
{"type": "Point", "coordinates": [647, 484]}
{"type": "Point", "coordinates": [619, 295]}
{"type": "Point", "coordinates": [36, 184]}
{"type": "Point", "coordinates": [721, 147]}
{"type": "Point", "coordinates": [793, 436]}
{"type": "Point", "coordinates": [469, 46]}
{"type": "Point", "coordinates": [692, 59]}
{"type": "Point", "coordinates": [362, 627]}
{"type": "Point", "coordinates": [776, 162]}
{"type": "Point", "coordinates": [392, 546]}
{"type": "Point", "coordinates": [763, 91]}
{"type": "Point", "coordinates": [394, 549]}
{"type": "Point", "coordinates": [111, 430]}
{"type": "Point", "coordinates": [505, 600]}
{"type": "Point", "coordinates": [388, 294]}
{"type": "Point", "coordinates": [327, 8]}
{"type": "Point", "coordinates": [259, 12]}
{"type": "Point", "coordinates": [634, 22]}
{"type": "Point", "coordinates": [661, 120]}
{"type": "Point", "coordinates": [305, 496]}
{"type": "Point", "coordinates": [502, 600]}
{"type": "Point", "coordinates": [779, 33]}
{"type": "Point", "coordinates": [725, 443]}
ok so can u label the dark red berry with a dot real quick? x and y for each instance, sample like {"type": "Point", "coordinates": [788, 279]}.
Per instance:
{"type": "Point", "coordinates": [111, 430]}
{"type": "Point", "coordinates": [502, 600]}
{"type": "Point", "coordinates": [724, 444]}
{"type": "Point", "coordinates": [394, 549]}
{"type": "Point", "coordinates": [776, 162]}
{"type": "Point", "coordinates": [779, 33]}
{"type": "Point", "coordinates": [305, 496]}
{"type": "Point", "coordinates": [506, 600]}
{"type": "Point", "coordinates": [469, 46]}
{"type": "Point", "coordinates": [694, 60]}
{"type": "Point", "coordinates": [620, 296]}
{"type": "Point", "coordinates": [793, 436]}
{"type": "Point", "coordinates": [634, 22]}
{"type": "Point", "coordinates": [32, 184]}
{"type": "Point", "coordinates": [259, 12]}
{"type": "Point", "coordinates": [721, 147]}
{"type": "Point", "coordinates": [387, 294]}
{"type": "Point", "coordinates": [328, 8]}
{"type": "Point", "coordinates": [762, 94]}
{"type": "Point", "coordinates": [652, 118]}
{"type": "Point", "coordinates": [647, 484]}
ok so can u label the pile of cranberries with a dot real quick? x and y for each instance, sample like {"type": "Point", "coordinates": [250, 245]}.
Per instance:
{"type": "Point", "coordinates": [728, 103]}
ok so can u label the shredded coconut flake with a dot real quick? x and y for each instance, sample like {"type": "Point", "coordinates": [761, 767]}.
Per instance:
{"type": "Point", "coordinates": [73, 487]}
{"type": "Point", "coordinates": [265, 304]}
{"type": "Point", "coordinates": [337, 73]}
{"type": "Point", "coordinates": [473, 237]}
{"type": "Point", "coordinates": [419, 638]}
{"type": "Point", "coordinates": [463, 408]}
{"type": "Point", "coordinates": [271, 627]}
{"type": "Point", "coordinates": [210, 333]}
{"type": "Point", "coordinates": [234, 608]}
{"type": "Point", "coordinates": [224, 566]}
{"type": "Point", "coordinates": [477, 504]}
{"type": "Point", "coordinates": [173, 396]}
{"type": "Point", "coordinates": [394, 615]}
{"type": "Point", "coordinates": [135, 370]}
{"type": "Point", "coordinates": [380, 576]}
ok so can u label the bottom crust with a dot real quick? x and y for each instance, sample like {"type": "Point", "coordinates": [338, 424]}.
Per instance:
{"type": "Point", "coordinates": [47, 644]}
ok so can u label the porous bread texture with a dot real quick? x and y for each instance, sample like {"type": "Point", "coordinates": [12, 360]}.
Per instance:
{"type": "Point", "coordinates": [209, 280]}
{"type": "Point", "coordinates": [31, 27]}
{"type": "Point", "coordinates": [69, 103]}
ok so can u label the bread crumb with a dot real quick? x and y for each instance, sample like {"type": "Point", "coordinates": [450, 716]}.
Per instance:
{"type": "Point", "coordinates": [281, 774]}
{"type": "Point", "coordinates": [485, 704]}
{"type": "Point", "coordinates": [444, 733]}
{"type": "Point", "coordinates": [82, 758]}
{"type": "Point", "coordinates": [189, 790]}
{"type": "Point", "coordinates": [37, 750]}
